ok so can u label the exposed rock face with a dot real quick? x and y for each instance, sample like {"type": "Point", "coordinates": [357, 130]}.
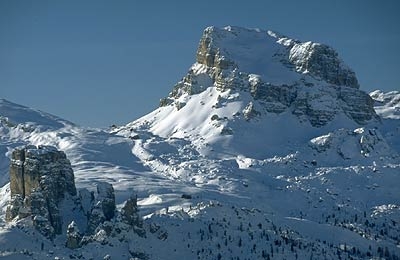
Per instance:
{"type": "Point", "coordinates": [281, 74]}
{"type": "Point", "coordinates": [39, 179]}
{"type": "Point", "coordinates": [315, 59]}
{"type": "Point", "coordinates": [42, 167]}
{"type": "Point", "coordinates": [73, 236]}
{"type": "Point", "coordinates": [323, 62]}
{"type": "Point", "coordinates": [106, 197]}
{"type": "Point", "coordinates": [96, 218]}
{"type": "Point", "coordinates": [103, 208]}
{"type": "Point", "coordinates": [129, 212]}
{"type": "Point", "coordinates": [42, 181]}
{"type": "Point", "coordinates": [249, 111]}
{"type": "Point", "coordinates": [130, 216]}
{"type": "Point", "coordinates": [208, 53]}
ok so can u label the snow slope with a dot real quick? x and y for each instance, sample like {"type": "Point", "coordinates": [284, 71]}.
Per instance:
{"type": "Point", "coordinates": [14, 114]}
{"type": "Point", "coordinates": [89, 150]}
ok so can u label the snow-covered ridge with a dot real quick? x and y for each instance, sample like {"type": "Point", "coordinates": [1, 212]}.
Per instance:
{"type": "Point", "coordinates": [355, 145]}
{"type": "Point", "coordinates": [12, 114]}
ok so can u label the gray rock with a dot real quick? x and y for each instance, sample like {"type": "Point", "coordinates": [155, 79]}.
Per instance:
{"type": "Point", "coordinates": [226, 131]}
{"type": "Point", "coordinates": [39, 179]}
{"type": "Point", "coordinates": [14, 206]}
{"type": "Point", "coordinates": [96, 218]}
{"type": "Point", "coordinates": [103, 207]}
{"type": "Point", "coordinates": [86, 199]}
{"type": "Point", "coordinates": [130, 212]}
{"type": "Point", "coordinates": [322, 62]}
{"type": "Point", "coordinates": [358, 105]}
{"type": "Point", "coordinates": [43, 225]}
{"type": "Point", "coordinates": [106, 197]}
{"type": "Point", "coordinates": [250, 112]}
{"type": "Point", "coordinates": [130, 216]}
{"type": "Point", "coordinates": [73, 236]}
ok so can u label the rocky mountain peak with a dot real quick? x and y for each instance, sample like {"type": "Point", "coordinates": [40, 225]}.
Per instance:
{"type": "Point", "coordinates": [241, 48]}
{"type": "Point", "coordinates": [306, 79]}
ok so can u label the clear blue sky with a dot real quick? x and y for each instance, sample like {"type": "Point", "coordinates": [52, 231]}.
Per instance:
{"type": "Point", "coordinates": [97, 63]}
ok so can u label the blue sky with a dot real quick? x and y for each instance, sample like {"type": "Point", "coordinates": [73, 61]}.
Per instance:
{"type": "Point", "coordinates": [98, 63]}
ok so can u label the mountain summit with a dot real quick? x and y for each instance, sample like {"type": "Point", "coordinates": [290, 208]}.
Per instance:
{"type": "Point", "coordinates": [306, 79]}
{"type": "Point", "coordinates": [249, 89]}
{"type": "Point", "coordinates": [264, 53]}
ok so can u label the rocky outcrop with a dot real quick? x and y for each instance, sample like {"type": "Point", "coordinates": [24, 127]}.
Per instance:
{"type": "Point", "coordinates": [129, 212]}
{"type": "Point", "coordinates": [40, 178]}
{"type": "Point", "coordinates": [101, 226]}
{"type": "Point", "coordinates": [208, 53]}
{"type": "Point", "coordinates": [42, 167]}
{"type": "Point", "coordinates": [250, 112]}
{"type": "Point", "coordinates": [103, 206]}
{"type": "Point", "coordinates": [42, 187]}
{"type": "Point", "coordinates": [106, 197]}
{"type": "Point", "coordinates": [130, 216]}
{"type": "Point", "coordinates": [317, 104]}
{"type": "Point", "coordinates": [103, 220]}
{"type": "Point", "coordinates": [74, 237]}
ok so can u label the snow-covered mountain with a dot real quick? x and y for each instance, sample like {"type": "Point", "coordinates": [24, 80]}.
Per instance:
{"type": "Point", "coordinates": [266, 149]}
{"type": "Point", "coordinates": [387, 105]}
